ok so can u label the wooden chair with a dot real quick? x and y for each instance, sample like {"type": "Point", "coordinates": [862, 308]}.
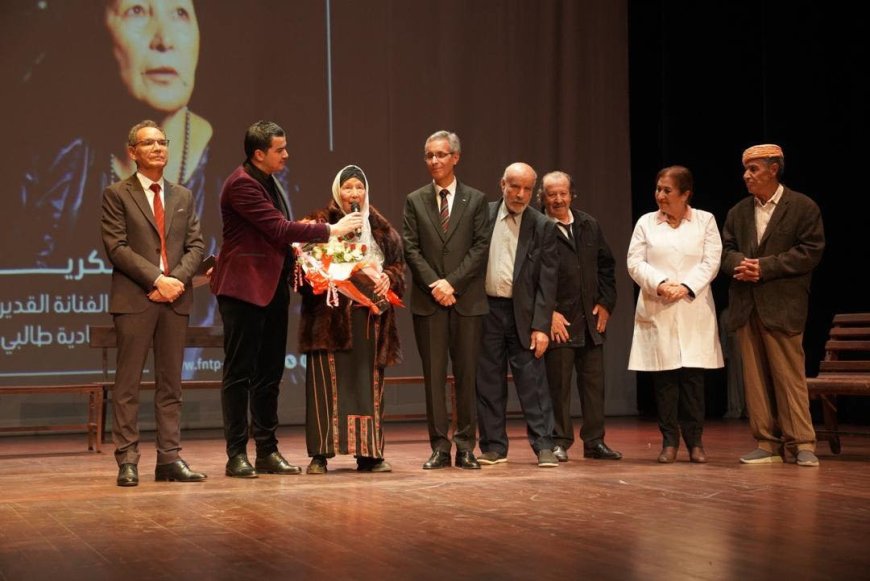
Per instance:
{"type": "Point", "coordinates": [845, 370]}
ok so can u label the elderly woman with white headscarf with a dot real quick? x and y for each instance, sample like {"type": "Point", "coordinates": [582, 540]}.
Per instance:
{"type": "Point", "coordinates": [348, 347]}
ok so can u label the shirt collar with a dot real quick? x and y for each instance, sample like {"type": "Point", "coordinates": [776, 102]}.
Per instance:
{"type": "Point", "coordinates": [660, 216]}
{"type": "Point", "coordinates": [503, 212]}
{"type": "Point", "coordinates": [146, 182]}
{"type": "Point", "coordinates": [774, 199]}
{"type": "Point", "coordinates": [566, 223]}
{"type": "Point", "coordinates": [257, 173]}
{"type": "Point", "coordinates": [451, 189]}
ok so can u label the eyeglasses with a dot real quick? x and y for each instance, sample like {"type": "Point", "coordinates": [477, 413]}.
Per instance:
{"type": "Point", "coordinates": [439, 155]}
{"type": "Point", "coordinates": [152, 143]}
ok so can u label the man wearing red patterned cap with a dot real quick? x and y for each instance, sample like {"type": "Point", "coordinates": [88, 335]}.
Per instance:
{"type": "Point", "coordinates": [772, 241]}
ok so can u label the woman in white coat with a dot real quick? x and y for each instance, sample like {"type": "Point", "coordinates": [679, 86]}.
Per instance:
{"type": "Point", "coordinates": [673, 256]}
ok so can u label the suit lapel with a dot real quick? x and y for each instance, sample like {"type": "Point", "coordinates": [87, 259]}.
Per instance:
{"type": "Point", "coordinates": [170, 205]}
{"type": "Point", "coordinates": [493, 212]}
{"type": "Point", "coordinates": [460, 203]}
{"type": "Point", "coordinates": [433, 212]}
{"type": "Point", "coordinates": [140, 199]}
{"type": "Point", "coordinates": [575, 233]}
{"type": "Point", "coordinates": [525, 240]}
{"type": "Point", "coordinates": [579, 229]}
{"type": "Point", "coordinates": [282, 199]}
{"type": "Point", "coordinates": [776, 218]}
{"type": "Point", "coordinates": [748, 217]}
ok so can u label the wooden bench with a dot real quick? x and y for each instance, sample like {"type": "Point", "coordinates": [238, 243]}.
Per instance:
{"type": "Point", "coordinates": [845, 370]}
{"type": "Point", "coordinates": [105, 338]}
{"type": "Point", "coordinates": [94, 424]}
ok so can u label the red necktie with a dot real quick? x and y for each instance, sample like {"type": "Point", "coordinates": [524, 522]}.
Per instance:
{"type": "Point", "coordinates": [445, 210]}
{"type": "Point", "coordinates": [160, 219]}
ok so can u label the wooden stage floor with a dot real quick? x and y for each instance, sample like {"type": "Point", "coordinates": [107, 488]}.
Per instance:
{"type": "Point", "coordinates": [62, 517]}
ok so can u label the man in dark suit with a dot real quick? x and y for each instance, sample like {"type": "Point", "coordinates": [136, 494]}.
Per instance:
{"type": "Point", "coordinates": [446, 244]}
{"type": "Point", "coordinates": [151, 234]}
{"type": "Point", "coordinates": [585, 298]}
{"type": "Point", "coordinates": [772, 241]}
{"type": "Point", "coordinates": [251, 281]}
{"type": "Point", "coordinates": [521, 290]}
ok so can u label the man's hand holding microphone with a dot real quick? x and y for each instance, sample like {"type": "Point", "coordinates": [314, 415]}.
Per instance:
{"type": "Point", "coordinates": [350, 223]}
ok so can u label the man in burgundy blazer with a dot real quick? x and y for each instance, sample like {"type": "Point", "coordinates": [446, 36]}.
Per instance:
{"type": "Point", "coordinates": [250, 280]}
{"type": "Point", "coordinates": [150, 299]}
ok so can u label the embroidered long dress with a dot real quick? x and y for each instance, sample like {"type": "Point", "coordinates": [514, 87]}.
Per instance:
{"type": "Point", "coordinates": [347, 349]}
{"type": "Point", "coordinates": [344, 393]}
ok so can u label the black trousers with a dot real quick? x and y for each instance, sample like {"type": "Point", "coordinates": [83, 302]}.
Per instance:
{"type": "Point", "coordinates": [589, 363]}
{"type": "Point", "coordinates": [501, 347]}
{"type": "Point", "coordinates": [680, 403]}
{"type": "Point", "coordinates": [255, 346]}
{"type": "Point", "coordinates": [447, 332]}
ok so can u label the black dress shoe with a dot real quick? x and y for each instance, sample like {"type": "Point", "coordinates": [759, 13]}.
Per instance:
{"type": "Point", "coordinates": [368, 464]}
{"type": "Point", "coordinates": [128, 475]}
{"type": "Point", "coordinates": [177, 471]}
{"type": "Point", "coordinates": [465, 459]}
{"type": "Point", "coordinates": [438, 459]}
{"type": "Point", "coordinates": [275, 463]}
{"type": "Point", "coordinates": [239, 467]}
{"type": "Point", "coordinates": [560, 453]}
{"type": "Point", "coordinates": [600, 451]}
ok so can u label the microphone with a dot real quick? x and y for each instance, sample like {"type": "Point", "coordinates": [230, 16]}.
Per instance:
{"type": "Point", "coordinates": [354, 207]}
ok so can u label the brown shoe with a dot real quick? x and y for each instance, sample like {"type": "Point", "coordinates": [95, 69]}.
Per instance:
{"type": "Point", "coordinates": [317, 465]}
{"type": "Point", "coordinates": [697, 455]}
{"type": "Point", "coordinates": [668, 455]}
{"type": "Point", "coordinates": [177, 471]}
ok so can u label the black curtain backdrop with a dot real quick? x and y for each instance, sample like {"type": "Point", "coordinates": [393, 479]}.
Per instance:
{"type": "Point", "coordinates": [708, 79]}
{"type": "Point", "coordinates": [518, 80]}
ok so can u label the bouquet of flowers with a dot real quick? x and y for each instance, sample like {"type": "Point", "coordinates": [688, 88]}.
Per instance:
{"type": "Point", "coordinates": [341, 267]}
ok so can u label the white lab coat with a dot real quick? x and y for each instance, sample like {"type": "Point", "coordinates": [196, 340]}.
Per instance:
{"type": "Point", "coordinates": [684, 333]}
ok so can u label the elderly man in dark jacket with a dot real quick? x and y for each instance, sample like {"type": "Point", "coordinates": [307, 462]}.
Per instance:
{"type": "Point", "coordinates": [585, 298]}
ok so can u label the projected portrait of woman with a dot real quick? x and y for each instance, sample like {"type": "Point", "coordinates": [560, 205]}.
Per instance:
{"type": "Point", "coordinates": [140, 64]}
{"type": "Point", "coordinates": [88, 71]}
{"type": "Point", "coordinates": [156, 45]}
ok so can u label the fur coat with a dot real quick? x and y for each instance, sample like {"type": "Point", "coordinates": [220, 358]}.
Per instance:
{"type": "Point", "coordinates": [328, 328]}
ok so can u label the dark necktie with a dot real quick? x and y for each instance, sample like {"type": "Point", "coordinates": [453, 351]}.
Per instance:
{"type": "Point", "coordinates": [566, 230]}
{"type": "Point", "coordinates": [160, 219]}
{"type": "Point", "coordinates": [445, 210]}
